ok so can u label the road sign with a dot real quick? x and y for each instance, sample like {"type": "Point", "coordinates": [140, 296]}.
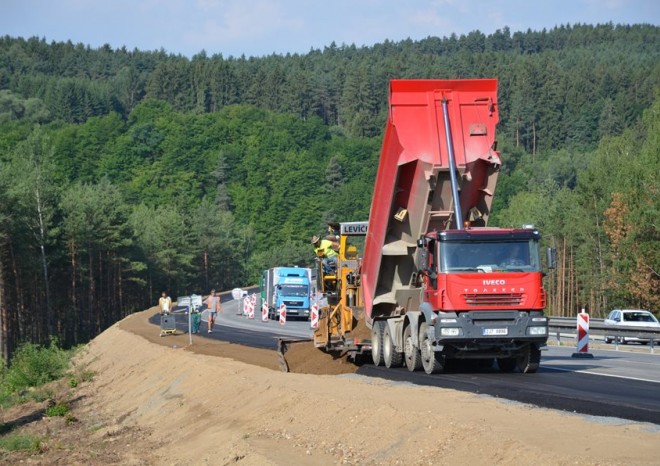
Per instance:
{"type": "Point", "coordinates": [237, 293]}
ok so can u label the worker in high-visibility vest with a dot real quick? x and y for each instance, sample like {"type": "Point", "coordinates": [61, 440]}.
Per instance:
{"type": "Point", "coordinates": [165, 304]}
{"type": "Point", "coordinates": [325, 249]}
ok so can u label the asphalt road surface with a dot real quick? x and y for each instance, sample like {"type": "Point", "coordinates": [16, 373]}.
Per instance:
{"type": "Point", "coordinates": [614, 384]}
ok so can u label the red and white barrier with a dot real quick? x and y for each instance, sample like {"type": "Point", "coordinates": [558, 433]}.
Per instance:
{"type": "Point", "coordinates": [314, 316]}
{"type": "Point", "coordinates": [264, 312]}
{"type": "Point", "coordinates": [582, 336]}
{"type": "Point", "coordinates": [282, 314]}
{"type": "Point", "coordinates": [251, 310]}
{"type": "Point", "coordinates": [246, 305]}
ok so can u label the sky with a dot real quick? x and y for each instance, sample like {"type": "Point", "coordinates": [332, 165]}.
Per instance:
{"type": "Point", "coordinates": [263, 27]}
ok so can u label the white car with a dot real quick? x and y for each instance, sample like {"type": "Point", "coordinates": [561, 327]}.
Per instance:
{"type": "Point", "coordinates": [628, 319]}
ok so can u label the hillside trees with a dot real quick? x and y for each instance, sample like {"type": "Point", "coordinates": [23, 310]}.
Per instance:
{"type": "Point", "coordinates": [603, 220]}
{"type": "Point", "coordinates": [123, 173]}
{"type": "Point", "coordinates": [557, 85]}
{"type": "Point", "coordinates": [33, 195]}
{"type": "Point", "coordinates": [98, 244]}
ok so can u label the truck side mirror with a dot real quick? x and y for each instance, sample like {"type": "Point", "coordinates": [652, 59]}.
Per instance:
{"type": "Point", "coordinates": [551, 257]}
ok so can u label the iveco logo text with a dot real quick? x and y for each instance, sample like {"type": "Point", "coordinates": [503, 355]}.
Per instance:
{"type": "Point", "coordinates": [494, 282]}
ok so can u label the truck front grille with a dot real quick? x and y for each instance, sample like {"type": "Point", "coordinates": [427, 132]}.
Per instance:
{"type": "Point", "coordinates": [504, 299]}
{"type": "Point", "coordinates": [293, 303]}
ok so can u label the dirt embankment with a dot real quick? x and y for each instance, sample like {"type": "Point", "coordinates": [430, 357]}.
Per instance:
{"type": "Point", "coordinates": [213, 408]}
{"type": "Point", "coordinates": [225, 404]}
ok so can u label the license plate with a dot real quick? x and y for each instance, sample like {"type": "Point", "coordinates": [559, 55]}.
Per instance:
{"type": "Point", "coordinates": [495, 331]}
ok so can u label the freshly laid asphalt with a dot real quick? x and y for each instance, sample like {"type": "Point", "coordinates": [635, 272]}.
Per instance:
{"type": "Point", "coordinates": [614, 385]}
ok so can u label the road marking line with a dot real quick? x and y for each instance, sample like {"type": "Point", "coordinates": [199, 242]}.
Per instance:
{"type": "Point", "coordinates": [601, 374]}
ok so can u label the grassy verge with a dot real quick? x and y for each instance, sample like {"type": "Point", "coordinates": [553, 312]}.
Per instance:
{"type": "Point", "coordinates": [19, 442]}
{"type": "Point", "coordinates": [32, 367]}
{"type": "Point", "coordinates": [29, 378]}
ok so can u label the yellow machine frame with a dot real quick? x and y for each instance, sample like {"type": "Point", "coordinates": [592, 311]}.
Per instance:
{"type": "Point", "coordinates": [338, 319]}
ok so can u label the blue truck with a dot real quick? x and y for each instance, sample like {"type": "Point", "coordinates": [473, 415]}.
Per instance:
{"type": "Point", "coordinates": [291, 286]}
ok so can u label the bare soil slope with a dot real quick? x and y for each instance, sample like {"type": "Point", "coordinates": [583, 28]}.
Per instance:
{"type": "Point", "coordinates": [225, 404]}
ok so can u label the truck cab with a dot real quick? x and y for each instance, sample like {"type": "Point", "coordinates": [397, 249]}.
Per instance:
{"type": "Point", "coordinates": [483, 294]}
{"type": "Point", "coordinates": [288, 286]}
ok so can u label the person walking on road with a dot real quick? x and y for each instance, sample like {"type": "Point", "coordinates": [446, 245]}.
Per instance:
{"type": "Point", "coordinates": [165, 303]}
{"type": "Point", "coordinates": [213, 306]}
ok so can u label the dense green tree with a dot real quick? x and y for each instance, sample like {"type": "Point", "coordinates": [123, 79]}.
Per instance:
{"type": "Point", "coordinates": [34, 194]}
{"type": "Point", "coordinates": [98, 238]}
{"type": "Point", "coordinates": [165, 237]}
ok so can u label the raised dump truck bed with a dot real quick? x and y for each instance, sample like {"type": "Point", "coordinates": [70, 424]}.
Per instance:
{"type": "Point", "coordinates": [434, 282]}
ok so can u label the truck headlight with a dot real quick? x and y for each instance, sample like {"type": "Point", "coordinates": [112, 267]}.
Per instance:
{"type": "Point", "coordinates": [451, 332]}
{"type": "Point", "coordinates": [537, 330]}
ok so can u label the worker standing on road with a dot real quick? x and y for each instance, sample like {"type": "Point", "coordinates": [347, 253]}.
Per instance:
{"type": "Point", "coordinates": [213, 306]}
{"type": "Point", "coordinates": [324, 248]}
{"type": "Point", "coordinates": [165, 303]}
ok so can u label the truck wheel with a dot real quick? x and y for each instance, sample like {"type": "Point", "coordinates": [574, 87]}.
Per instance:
{"type": "Point", "coordinates": [410, 352]}
{"type": "Point", "coordinates": [506, 364]}
{"type": "Point", "coordinates": [391, 356]}
{"type": "Point", "coordinates": [377, 343]}
{"type": "Point", "coordinates": [432, 361]}
{"type": "Point", "coordinates": [528, 362]}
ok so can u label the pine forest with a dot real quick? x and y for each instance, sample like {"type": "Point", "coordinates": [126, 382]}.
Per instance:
{"type": "Point", "coordinates": [125, 172]}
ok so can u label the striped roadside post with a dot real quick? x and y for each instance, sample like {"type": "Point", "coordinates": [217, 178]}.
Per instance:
{"type": "Point", "coordinates": [582, 336]}
{"type": "Point", "coordinates": [251, 309]}
{"type": "Point", "coordinates": [282, 314]}
{"type": "Point", "coordinates": [314, 317]}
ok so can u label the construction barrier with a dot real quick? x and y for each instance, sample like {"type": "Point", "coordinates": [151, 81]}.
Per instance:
{"type": "Point", "coordinates": [582, 336]}
{"type": "Point", "coordinates": [282, 314]}
{"type": "Point", "coordinates": [251, 306]}
{"type": "Point", "coordinates": [314, 316]}
{"type": "Point", "coordinates": [264, 311]}
{"type": "Point", "coordinates": [246, 305]}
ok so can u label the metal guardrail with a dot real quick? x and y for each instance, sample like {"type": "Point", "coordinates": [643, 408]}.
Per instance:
{"type": "Point", "coordinates": [568, 325]}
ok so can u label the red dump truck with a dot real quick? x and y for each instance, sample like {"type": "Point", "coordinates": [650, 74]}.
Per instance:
{"type": "Point", "coordinates": [434, 282]}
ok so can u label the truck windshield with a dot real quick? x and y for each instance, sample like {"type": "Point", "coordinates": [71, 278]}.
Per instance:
{"type": "Point", "coordinates": [294, 290]}
{"type": "Point", "coordinates": [489, 256]}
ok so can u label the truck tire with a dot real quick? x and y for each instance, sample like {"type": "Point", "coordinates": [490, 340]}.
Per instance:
{"type": "Point", "coordinates": [391, 357]}
{"type": "Point", "coordinates": [411, 354]}
{"type": "Point", "coordinates": [529, 360]}
{"type": "Point", "coordinates": [377, 342]}
{"type": "Point", "coordinates": [432, 362]}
